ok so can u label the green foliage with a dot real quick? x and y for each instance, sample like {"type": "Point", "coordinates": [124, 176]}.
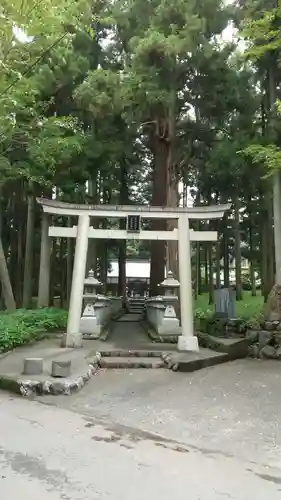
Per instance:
{"type": "Point", "coordinates": [263, 32]}
{"type": "Point", "coordinates": [24, 326]}
{"type": "Point", "coordinates": [269, 156]}
{"type": "Point", "coordinates": [248, 309]}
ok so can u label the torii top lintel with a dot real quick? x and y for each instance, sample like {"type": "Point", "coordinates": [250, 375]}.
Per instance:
{"type": "Point", "coordinates": [146, 211]}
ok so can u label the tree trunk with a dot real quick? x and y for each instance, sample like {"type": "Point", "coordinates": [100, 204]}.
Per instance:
{"type": "Point", "coordinates": [69, 262]}
{"type": "Point", "coordinates": [206, 268]}
{"type": "Point", "coordinates": [252, 259]}
{"type": "Point", "coordinates": [2, 306]}
{"type": "Point", "coordinates": [270, 243]}
{"type": "Point", "coordinates": [54, 280]}
{"type": "Point", "coordinates": [218, 266]}
{"type": "Point", "coordinates": [211, 274]}
{"type": "Point", "coordinates": [62, 272]}
{"type": "Point", "coordinates": [92, 246]}
{"type": "Point", "coordinates": [225, 254]}
{"type": "Point", "coordinates": [159, 198]}
{"type": "Point", "coordinates": [122, 244]}
{"type": "Point", "coordinates": [172, 187]}
{"type": "Point", "coordinates": [264, 257]}
{"type": "Point", "coordinates": [6, 284]}
{"type": "Point", "coordinates": [237, 244]}
{"type": "Point", "coordinates": [276, 176]}
{"type": "Point", "coordinates": [197, 288]}
{"type": "Point", "coordinates": [28, 258]}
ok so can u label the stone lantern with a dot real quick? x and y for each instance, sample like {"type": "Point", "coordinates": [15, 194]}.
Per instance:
{"type": "Point", "coordinates": [90, 286]}
{"type": "Point", "coordinates": [97, 308]}
{"type": "Point", "coordinates": [161, 309]}
{"type": "Point", "coordinates": [170, 285]}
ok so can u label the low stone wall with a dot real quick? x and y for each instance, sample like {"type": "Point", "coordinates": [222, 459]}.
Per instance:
{"type": "Point", "coordinates": [161, 316]}
{"type": "Point", "coordinates": [53, 386]}
{"type": "Point", "coordinates": [266, 342]}
{"type": "Point", "coordinates": [97, 315]}
{"type": "Point", "coordinates": [263, 341]}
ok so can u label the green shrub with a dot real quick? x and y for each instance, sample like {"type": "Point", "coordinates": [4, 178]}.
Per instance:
{"type": "Point", "coordinates": [24, 326]}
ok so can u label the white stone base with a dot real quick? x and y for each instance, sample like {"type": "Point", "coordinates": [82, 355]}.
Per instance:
{"type": "Point", "coordinates": [72, 340]}
{"type": "Point", "coordinates": [169, 329]}
{"type": "Point", "coordinates": [89, 327]}
{"type": "Point", "coordinates": [188, 343]}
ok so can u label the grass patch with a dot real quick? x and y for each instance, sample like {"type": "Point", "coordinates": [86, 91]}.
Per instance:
{"type": "Point", "coordinates": [248, 309]}
{"type": "Point", "coordinates": [24, 326]}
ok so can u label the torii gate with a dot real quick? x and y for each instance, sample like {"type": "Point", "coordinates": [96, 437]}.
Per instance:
{"type": "Point", "coordinates": [183, 234]}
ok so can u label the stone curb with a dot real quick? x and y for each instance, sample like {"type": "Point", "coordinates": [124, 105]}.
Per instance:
{"type": "Point", "coordinates": [55, 387]}
{"type": "Point", "coordinates": [130, 364]}
{"type": "Point", "coordinates": [170, 364]}
{"type": "Point", "coordinates": [130, 353]}
{"type": "Point", "coordinates": [194, 364]}
{"type": "Point", "coordinates": [155, 337]}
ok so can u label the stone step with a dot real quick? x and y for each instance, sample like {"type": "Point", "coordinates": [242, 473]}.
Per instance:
{"type": "Point", "coordinates": [129, 317]}
{"type": "Point", "coordinates": [131, 362]}
{"type": "Point", "coordinates": [114, 353]}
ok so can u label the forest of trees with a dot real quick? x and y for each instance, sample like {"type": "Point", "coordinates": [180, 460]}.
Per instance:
{"type": "Point", "coordinates": [122, 101]}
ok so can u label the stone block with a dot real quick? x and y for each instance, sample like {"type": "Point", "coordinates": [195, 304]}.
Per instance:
{"type": "Point", "coordinates": [33, 366]}
{"type": "Point", "coordinates": [268, 352]}
{"type": "Point", "coordinates": [253, 351]}
{"type": "Point", "coordinates": [277, 337]}
{"type": "Point", "coordinates": [253, 336]}
{"type": "Point", "coordinates": [273, 316]}
{"type": "Point", "coordinates": [61, 368]}
{"type": "Point", "coordinates": [278, 353]}
{"type": "Point", "coordinates": [268, 325]}
{"type": "Point", "coordinates": [264, 337]}
{"type": "Point", "coordinates": [225, 302]}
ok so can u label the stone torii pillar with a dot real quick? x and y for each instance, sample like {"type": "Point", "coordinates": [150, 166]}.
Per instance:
{"type": "Point", "coordinates": [187, 340]}
{"type": "Point", "coordinates": [73, 337]}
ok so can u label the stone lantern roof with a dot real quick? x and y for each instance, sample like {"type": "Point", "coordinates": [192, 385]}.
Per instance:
{"type": "Point", "coordinates": [170, 281]}
{"type": "Point", "coordinates": [91, 280]}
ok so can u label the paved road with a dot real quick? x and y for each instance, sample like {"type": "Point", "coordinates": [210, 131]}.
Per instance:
{"type": "Point", "coordinates": [192, 448]}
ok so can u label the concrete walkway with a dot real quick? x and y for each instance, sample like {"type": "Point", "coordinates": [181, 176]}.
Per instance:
{"type": "Point", "coordinates": [49, 453]}
{"type": "Point", "coordinates": [128, 334]}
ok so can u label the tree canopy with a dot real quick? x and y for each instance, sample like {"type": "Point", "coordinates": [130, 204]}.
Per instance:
{"type": "Point", "coordinates": [125, 102]}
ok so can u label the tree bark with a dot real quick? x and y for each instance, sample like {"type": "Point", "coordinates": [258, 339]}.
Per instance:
{"type": "Point", "coordinates": [211, 274]}
{"type": "Point", "coordinates": [225, 253]}
{"type": "Point", "coordinates": [218, 266]}
{"type": "Point", "coordinates": [276, 179]}
{"type": "Point", "coordinates": [172, 187]}
{"type": "Point", "coordinates": [264, 257]}
{"type": "Point", "coordinates": [44, 271]}
{"type": "Point", "coordinates": [6, 284]}
{"type": "Point", "coordinates": [159, 198]}
{"type": "Point", "coordinates": [122, 244]}
{"type": "Point", "coordinates": [270, 243]}
{"type": "Point", "coordinates": [28, 258]}
{"type": "Point", "coordinates": [237, 244]}
{"type": "Point", "coordinates": [69, 262]}
{"type": "Point", "coordinates": [92, 246]}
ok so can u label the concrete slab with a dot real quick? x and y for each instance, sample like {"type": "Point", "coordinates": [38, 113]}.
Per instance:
{"type": "Point", "coordinates": [83, 366]}
{"type": "Point", "coordinates": [49, 453]}
{"type": "Point", "coordinates": [236, 348]}
{"type": "Point", "coordinates": [191, 361]}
